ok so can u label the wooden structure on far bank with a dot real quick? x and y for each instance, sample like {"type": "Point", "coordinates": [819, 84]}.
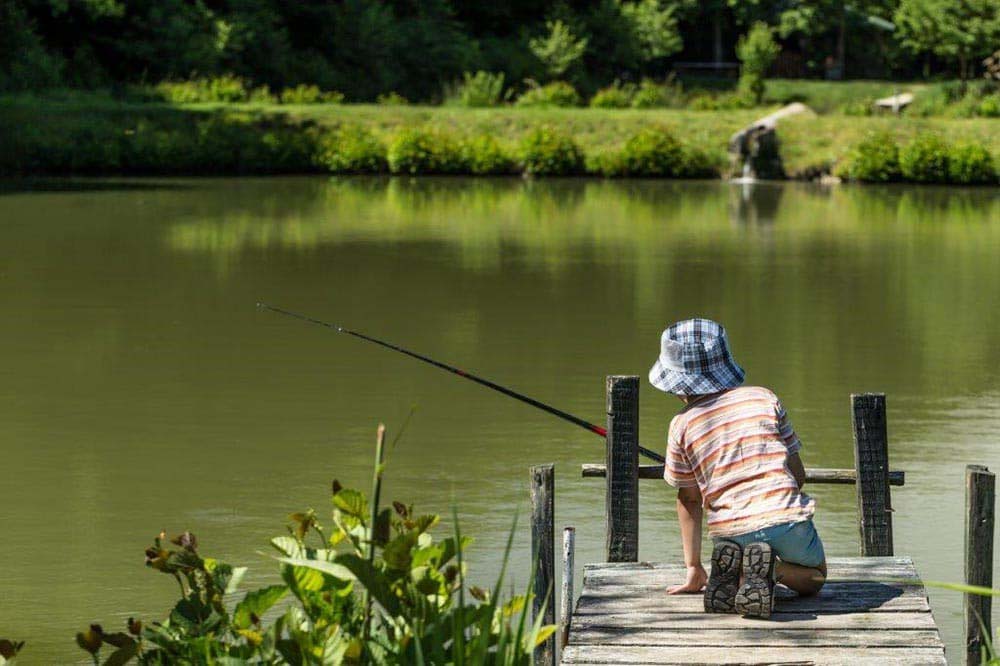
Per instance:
{"type": "Point", "coordinates": [873, 610]}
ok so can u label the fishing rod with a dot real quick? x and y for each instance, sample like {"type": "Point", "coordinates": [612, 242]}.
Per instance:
{"type": "Point", "coordinates": [596, 429]}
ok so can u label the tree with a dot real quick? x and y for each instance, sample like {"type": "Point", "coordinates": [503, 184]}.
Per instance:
{"type": "Point", "coordinates": [756, 51]}
{"type": "Point", "coordinates": [654, 25]}
{"type": "Point", "coordinates": [559, 49]}
{"type": "Point", "coordinates": [956, 30]}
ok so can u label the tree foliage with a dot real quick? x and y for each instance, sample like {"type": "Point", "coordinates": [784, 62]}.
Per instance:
{"type": "Point", "coordinates": [557, 50]}
{"type": "Point", "coordinates": [372, 48]}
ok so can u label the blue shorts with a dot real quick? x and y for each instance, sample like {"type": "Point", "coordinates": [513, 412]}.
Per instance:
{"type": "Point", "coordinates": [795, 543]}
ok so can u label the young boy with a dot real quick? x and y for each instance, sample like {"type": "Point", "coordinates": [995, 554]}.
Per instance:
{"type": "Point", "coordinates": [732, 451]}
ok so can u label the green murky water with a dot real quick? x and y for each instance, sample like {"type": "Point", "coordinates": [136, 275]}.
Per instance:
{"type": "Point", "coordinates": [140, 389]}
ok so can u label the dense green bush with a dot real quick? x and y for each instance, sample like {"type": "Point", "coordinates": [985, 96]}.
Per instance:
{"type": "Point", "coordinates": [653, 95]}
{"type": "Point", "coordinates": [615, 96]}
{"type": "Point", "coordinates": [352, 149]}
{"type": "Point", "coordinates": [989, 106]}
{"type": "Point", "coordinates": [546, 151]}
{"type": "Point", "coordinates": [924, 159]}
{"type": "Point", "coordinates": [874, 159]}
{"type": "Point", "coordinates": [303, 94]}
{"type": "Point", "coordinates": [652, 152]}
{"type": "Point", "coordinates": [481, 89]}
{"type": "Point", "coordinates": [557, 93]}
{"type": "Point", "coordinates": [425, 151]}
{"type": "Point", "coordinates": [970, 164]}
{"type": "Point", "coordinates": [698, 163]}
{"type": "Point", "coordinates": [484, 155]}
{"type": "Point", "coordinates": [226, 88]}
{"type": "Point", "coordinates": [392, 99]}
{"type": "Point", "coordinates": [211, 144]}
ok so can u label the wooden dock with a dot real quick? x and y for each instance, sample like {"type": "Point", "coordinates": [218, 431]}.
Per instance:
{"type": "Point", "coordinates": [873, 610]}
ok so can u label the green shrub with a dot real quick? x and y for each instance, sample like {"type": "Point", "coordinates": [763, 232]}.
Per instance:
{"type": "Point", "coordinates": [652, 152]}
{"type": "Point", "coordinates": [557, 93]}
{"type": "Point", "coordinates": [546, 151]}
{"type": "Point", "coordinates": [615, 96]}
{"type": "Point", "coordinates": [226, 88]}
{"type": "Point", "coordinates": [306, 94]}
{"type": "Point", "coordinates": [874, 159]}
{"type": "Point", "coordinates": [924, 159]}
{"type": "Point", "coordinates": [422, 151]}
{"type": "Point", "coordinates": [970, 164]}
{"type": "Point", "coordinates": [484, 155]}
{"type": "Point", "coordinates": [931, 101]}
{"type": "Point", "coordinates": [391, 99]}
{"type": "Point", "coordinates": [653, 95]}
{"type": "Point", "coordinates": [858, 107]}
{"type": "Point", "coordinates": [605, 162]}
{"type": "Point", "coordinates": [482, 89]}
{"type": "Point", "coordinates": [698, 163]}
{"type": "Point", "coordinates": [720, 102]}
{"type": "Point", "coordinates": [262, 95]}
{"type": "Point", "coordinates": [352, 149]}
{"type": "Point", "coordinates": [989, 106]}
{"type": "Point", "coordinates": [376, 586]}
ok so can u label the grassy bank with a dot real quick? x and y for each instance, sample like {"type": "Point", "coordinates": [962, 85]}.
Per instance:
{"type": "Point", "coordinates": [94, 134]}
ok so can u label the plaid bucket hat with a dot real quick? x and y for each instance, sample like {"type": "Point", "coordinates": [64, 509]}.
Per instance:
{"type": "Point", "coordinates": [695, 359]}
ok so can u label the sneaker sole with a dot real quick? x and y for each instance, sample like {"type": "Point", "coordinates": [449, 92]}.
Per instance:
{"type": "Point", "coordinates": [724, 579]}
{"type": "Point", "coordinates": [755, 597]}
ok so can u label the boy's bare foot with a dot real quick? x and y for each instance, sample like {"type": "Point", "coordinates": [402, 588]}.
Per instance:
{"type": "Point", "coordinates": [696, 579]}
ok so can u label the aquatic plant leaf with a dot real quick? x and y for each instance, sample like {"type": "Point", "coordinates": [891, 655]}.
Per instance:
{"type": "Point", "coordinates": [543, 634]}
{"type": "Point", "coordinates": [186, 540]}
{"type": "Point", "coordinates": [373, 580]}
{"type": "Point", "coordinates": [255, 604]}
{"type": "Point", "coordinates": [9, 648]}
{"type": "Point", "coordinates": [123, 655]}
{"type": "Point", "coordinates": [118, 639]}
{"type": "Point", "coordinates": [351, 502]}
{"type": "Point", "coordinates": [398, 552]}
{"type": "Point", "coordinates": [90, 640]}
{"type": "Point", "coordinates": [288, 546]}
{"type": "Point", "coordinates": [329, 568]}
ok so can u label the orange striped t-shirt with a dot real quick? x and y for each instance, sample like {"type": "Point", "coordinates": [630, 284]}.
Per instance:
{"type": "Point", "coordinates": [735, 446]}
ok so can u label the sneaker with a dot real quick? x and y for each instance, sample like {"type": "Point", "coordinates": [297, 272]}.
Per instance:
{"type": "Point", "coordinates": [755, 597]}
{"type": "Point", "coordinates": [720, 592]}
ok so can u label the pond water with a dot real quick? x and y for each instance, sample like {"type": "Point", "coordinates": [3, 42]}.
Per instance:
{"type": "Point", "coordinates": [141, 390]}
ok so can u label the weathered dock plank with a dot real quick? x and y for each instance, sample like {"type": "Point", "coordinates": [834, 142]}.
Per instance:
{"type": "Point", "coordinates": [731, 656]}
{"type": "Point", "coordinates": [873, 610]}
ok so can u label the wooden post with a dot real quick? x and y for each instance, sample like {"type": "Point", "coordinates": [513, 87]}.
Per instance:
{"type": "Point", "coordinates": [542, 554]}
{"type": "Point", "coordinates": [871, 458]}
{"type": "Point", "coordinates": [622, 496]}
{"type": "Point", "coordinates": [979, 505]}
{"type": "Point", "coordinates": [566, 608]}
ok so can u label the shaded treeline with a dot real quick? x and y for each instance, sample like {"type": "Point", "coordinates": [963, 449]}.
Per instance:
{"type": "Point", "coordinates": [365, 48]}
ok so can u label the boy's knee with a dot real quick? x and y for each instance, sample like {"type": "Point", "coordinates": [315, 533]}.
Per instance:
{"type": "Point", "coordinates": [815, 582]}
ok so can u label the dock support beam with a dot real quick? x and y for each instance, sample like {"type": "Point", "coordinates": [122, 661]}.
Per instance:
{"type": "Point", "coordinates": [566, 607]}
{"type": "Point", "coordinates": [980, 504]}
{"type": "Point", "coordinates": [622, 495]}
{"type": "Point", "coordinates": [871, 458]}
{"type": "Point", "coordinates": [543, 555]}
